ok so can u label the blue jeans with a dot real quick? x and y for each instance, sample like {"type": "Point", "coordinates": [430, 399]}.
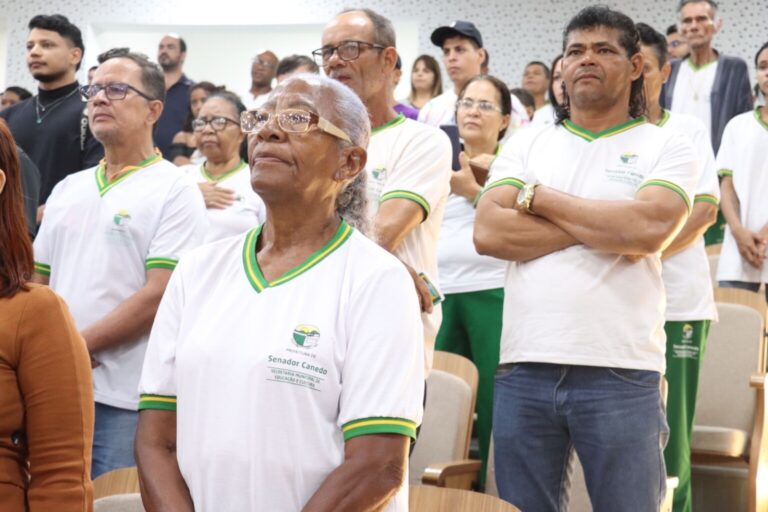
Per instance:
{"type": "Point", "coordinates": [113, 435]}
{"type": "Point", "coordinates": [612, 417]}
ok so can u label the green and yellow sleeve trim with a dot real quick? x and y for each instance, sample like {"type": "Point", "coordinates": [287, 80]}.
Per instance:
{"type": "Point", "coordinates": [157, 402]}
{"type": "Point", "coordinates": [368, 426]}
{"type": "Point", "coordinates": [514, 182]}
{"type": "Point", "coordinates": [42, 269]}
{"type": "Point", "coordinates": [166, 263]}
{"type": "Point", "coordinates": [725, 172]}
{"type": "Point", "coordinates": [706, 198]}
{"type": "Point", "coordinates": [671, 186]}
{"type": "Point", "coordinates": [411, 196]}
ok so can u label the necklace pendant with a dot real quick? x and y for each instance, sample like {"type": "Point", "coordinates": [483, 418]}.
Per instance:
{"type": "Point", "coordinates": [39, 121]}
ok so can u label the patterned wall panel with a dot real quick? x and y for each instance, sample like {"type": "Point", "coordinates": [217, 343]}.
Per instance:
{"type": "Point", "coordinates": [515, 31]}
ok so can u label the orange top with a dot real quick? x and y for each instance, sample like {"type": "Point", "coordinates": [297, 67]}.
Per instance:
{"type": "Point", "coordinates": [46, 406]}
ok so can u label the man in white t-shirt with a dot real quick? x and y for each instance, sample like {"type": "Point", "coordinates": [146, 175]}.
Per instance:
{"type": "Point", "coordinates": [263, 70]}
{"type": "Point", "coordinates": [285, 365]}
{"type": "Point", "coordinates": [582, 210]}
{"type": "Point", "coordinates": [409, 163]}
{"type": "Point", "coordinates": [687, 278]}
{"type": "Point", "coordinates": [463, 57]}
{"type": "Point", "coordinates": [110, 238]}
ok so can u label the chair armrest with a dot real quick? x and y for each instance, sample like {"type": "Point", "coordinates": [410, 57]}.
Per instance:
{"type": "Point", "coordinates": [459, 474]}
{"type": "Point", "coordinates": [757, 381]}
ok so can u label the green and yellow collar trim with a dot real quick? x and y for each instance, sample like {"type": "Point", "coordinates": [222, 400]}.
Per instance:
{"type": "Point", "coordinates": [760, 119]}
{"type": "Point", "coordinates": [703, 66]}
{"type": "Point", "coordinates": [591, 136]}
{"type": "Point", "coordinates": [400, 119]}
{"type": "Point", "coordinates": [105, 185]}
{"type": "Point", "coordinates": [664, 118]}
{"type": "Point", "coordinates": [215, 179]}
{"type": "Point", "coordinates": [251, 264]}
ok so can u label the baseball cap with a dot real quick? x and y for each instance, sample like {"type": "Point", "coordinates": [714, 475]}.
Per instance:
{"type": "Point", "coordinates": [457, 28]}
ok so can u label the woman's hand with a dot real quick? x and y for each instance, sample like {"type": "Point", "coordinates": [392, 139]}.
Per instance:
{"type": "Point", "coordinates": [215, 196]}
{"type": "Point", "coordinates": [751, 246]}
{"type": "Point", "coordinates": [463, 181]}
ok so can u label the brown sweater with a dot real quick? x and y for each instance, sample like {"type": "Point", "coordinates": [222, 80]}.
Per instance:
{"type": "Point", "coordinates": [46, 406]}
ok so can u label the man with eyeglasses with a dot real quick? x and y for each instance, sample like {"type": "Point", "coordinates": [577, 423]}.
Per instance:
{"type": "Point", "coordinates": [409, 163]}
{"type": "Point", "coordinates": [171, 54]}
{"type": "Point", "coordinates": [51, 127]}
{"type": "Point", "coordinates": [263, 70]}
{"type": "Point", "coordinates": [676, 45]}
{"type": "Point", "coordinates": [463, 57]}
{"type": "Point", "coordinates": [110, 238]}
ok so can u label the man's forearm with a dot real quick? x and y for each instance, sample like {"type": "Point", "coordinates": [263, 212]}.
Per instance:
{"type": "Point", "coordinates": [633, 227]}
{"type": "Point", "coordinates": [130, 320]}
{"type": "Point", "coordinates": [510, 235]}
{"type": "Point", "coordinates": [702, 216]}
{"type": "Point", "coordinates": [730, 204]}
{"type": "Point", "coordinates": [356, 486]}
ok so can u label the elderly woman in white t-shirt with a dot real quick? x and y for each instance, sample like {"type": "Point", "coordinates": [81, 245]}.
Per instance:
{"type": "Point", "coordinates": [224, 178]}
{"type": "Point", "coordinates": [473, 284]}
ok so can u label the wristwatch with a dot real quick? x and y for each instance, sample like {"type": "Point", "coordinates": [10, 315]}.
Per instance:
{"type": "Point", "coordinates": [525, 197]}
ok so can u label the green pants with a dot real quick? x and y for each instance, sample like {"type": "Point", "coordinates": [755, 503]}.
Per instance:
{"type": "Point", "coordinates": [472, 328]}
{"type": "Point", "coordinates": [716, 232]}
{"type": "Point", "coordinates": [686, 342]}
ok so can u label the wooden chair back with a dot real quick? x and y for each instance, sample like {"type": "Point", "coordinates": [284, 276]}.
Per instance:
{"type": "Point", "coordinates": [426, 498]}
{"type": "Point", "coordinates": [466, 370]}
{"type": "Point", "coordinates": [118, 481]}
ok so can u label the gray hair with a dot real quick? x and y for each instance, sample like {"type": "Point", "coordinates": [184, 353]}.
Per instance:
{"type": "Point", "coordinates": [352, 202]}
{"type": "Point", "coordinates": [383, 30]}
{"type": "Point", "coordinates": [152, 77]}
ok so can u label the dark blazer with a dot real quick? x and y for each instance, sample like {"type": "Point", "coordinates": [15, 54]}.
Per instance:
{"type": "Point", "coordinates": [731, 93]}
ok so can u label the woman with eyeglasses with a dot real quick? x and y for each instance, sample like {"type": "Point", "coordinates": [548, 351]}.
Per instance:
{"type": "Point", "coordinates": [474, 284]}
{"type": "Point", "coordinates": [46, 394]}
{"type": "Point", "coordinates": [183, 150]}
{"type": "Point", "coordinates": [285, 367]}
{"type": "Point", "coordinates": [223, 177]}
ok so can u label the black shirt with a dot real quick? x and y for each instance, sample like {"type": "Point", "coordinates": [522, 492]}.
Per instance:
{"type": "Point", "coordinates": [53, 140]}
{"type": "Point", "coordinates": [175, 112]}
{"type": "Point", "coordinates": [30, 186]}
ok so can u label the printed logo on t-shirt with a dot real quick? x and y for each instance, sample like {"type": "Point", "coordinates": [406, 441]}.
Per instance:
{"type": "Point", "coordinates": [122, 218]}
{"type": "Point", "coordinates": [306, 336]}
{"type": "Point", "coordinates": [625, 172]}
{"type": "Point", "coordinates": [118, 230]}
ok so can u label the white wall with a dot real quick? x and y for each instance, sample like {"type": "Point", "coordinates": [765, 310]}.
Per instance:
{"type": "Point", "coordinates": [222, 54]}
{"type": "Point", "coordinates": [516, 31]}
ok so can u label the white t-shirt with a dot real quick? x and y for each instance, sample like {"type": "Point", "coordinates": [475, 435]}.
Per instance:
{"type": "Point", "coordinates": [98, 240]}
{"type": "Point", "coordinates": [252, 102]}
{"type": "Point", "coordinates": [462, 269]}
{"type": "Point", "coordinates": [410, 160]}
{"type": "Point", "coordinates": [743, 155]}
{"type": "Point", "coordinates": [442, 110]}
{"type": "Point", "coordinates": [271, 378]}
{"type": "Point", "coordinates": [693, 92]}
{"type": "Point", "coordinates": [687, 279]}
{"type": "Point", "coordinates": [248, 210]}
{"type": "Point", "coordinates": [582, 306]}
{"type": "Point", "coordinates": [544, 116]}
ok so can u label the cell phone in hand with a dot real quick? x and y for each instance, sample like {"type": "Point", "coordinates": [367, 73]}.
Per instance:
{"type": "Point", "coordinates": [434, 292]}
{"type": "Point", "coordinates": [453, 134]}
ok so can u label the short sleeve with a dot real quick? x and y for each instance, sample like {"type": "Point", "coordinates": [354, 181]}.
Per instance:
{"type": "Point", "coordinates": [182, 226]}
{"type": "Point", "coordinates": [157, 387]}
{"type": "Point", "coordinates": [727, 157]}
{"type": "Point", "coordinates": [708, 187]}
{"type": "Point", "coordinates": [44, 243]}
{"type": "Point", "coordinates": [383, 374]}
{"type": "Point", "coordinates": [425, 112]}
{"type": "Point", "coordinates": [677, 168]}
{"type": "Point", "coordinates": [508, 168]}
{"type": "Point", "coordinates": [423, 172]}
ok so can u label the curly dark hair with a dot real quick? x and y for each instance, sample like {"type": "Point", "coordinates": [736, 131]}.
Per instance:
{"type": "Point", "coordinates": [603, 16]}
